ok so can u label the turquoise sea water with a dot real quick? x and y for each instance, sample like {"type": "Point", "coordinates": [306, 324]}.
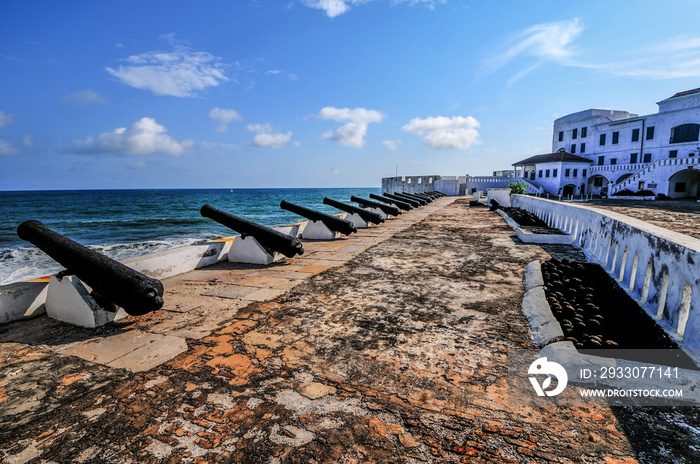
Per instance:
{"type": "Point", "coordinates": [127, 223]}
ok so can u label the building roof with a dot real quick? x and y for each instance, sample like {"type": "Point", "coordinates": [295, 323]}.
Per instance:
{"type": "Point", "coordinates": [553, 157]}
{"type": "Point", "coordinates": [685, 93]}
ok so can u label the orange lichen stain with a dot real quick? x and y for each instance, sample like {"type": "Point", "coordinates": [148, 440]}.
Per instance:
{"type": "Point", "coordinates": [611, 460]}
{"type": "Point", "coordinates": [189, 359]}
{"type": "Point", "coordinates": [71, 378]}
{"type": "Point", "coordinates": [240, 367]}
{"type": "Point", "coordinates": [222, 345]}
{"type": "Point", "coordinates": [382, 428]}
{"type": "Point", "coordinates": [3, 394]}
{"type": "Point", "coordinates": [262, 339]}
{"type": "Point", "coordinates": [190, 386]}
{"type": "Point", "coordinates": [239, 327]}
{"type": "Point", "coordinates": [262, 355]}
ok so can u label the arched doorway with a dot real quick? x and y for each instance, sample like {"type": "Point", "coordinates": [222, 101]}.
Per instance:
{"type": "Point", "coordinates": [685, 183]}
{"type": "Point", "coordinates": [598, 185]}
{"type": "Point", "coordinates": [568, 190]}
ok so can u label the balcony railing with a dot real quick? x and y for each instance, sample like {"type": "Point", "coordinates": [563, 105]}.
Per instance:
{"type": "Point", "coordinates": [617, 167]}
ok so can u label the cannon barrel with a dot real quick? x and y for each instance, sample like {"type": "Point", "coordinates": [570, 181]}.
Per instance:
{"type": "Point", "coordinates": [401, 204]}
{"type": "Point", "coordinates": [408, 197]}
{"type": "Point", "coordinates": [419, 196]}
{"type": "Point", "coordinates": [135, 292]}
{"type": "Point", "coordinates": [413, 203]}
{"type": "Point", "coordinates": [367, 216]}
{"type": "Point", "coordinates": [267, 237]}
{"type": "Point", "coordinates": [387, 209]}
{"type": "Point", "coordinates": [333, 223]}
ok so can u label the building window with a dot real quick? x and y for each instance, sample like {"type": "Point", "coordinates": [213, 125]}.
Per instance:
{"type": "Point", "coordinates": [673, 154]}
{"type": "Point", "coordinates": [685, 133]}
{"type": "Point", "coordinates": [584, 173]}
{"type": "Point", "coordinates": [532, 175]}
{"type": "Point", "coordinates": [574, 134]}
{"type": "Point", "coordinates": [584, 132]}
{"type": "Point", "coordinates": [647, 157]}
{"type": "Point", "coordinates": [613, 161]}
{"type": "Point", "coordinates": [539, 173]}
{"type": "Point", "coordinates": [583, 148]}
{"type": "Point", "coordinates": [602, 139]}
{"type": "Point", "coordinates": [650, 133]}
{"type": "Point", "coordinates": [554, 173]}
{"type": "Point", "coordinates": [575, 172]}
{"type": "Point", "coordinates": [680, 187]}
{"type": "Point", "coordinates": [573, 148]}
{"type": "Point", "coordinates": [598, 182]}
{"type": "Point", "coordinates": [561, 135]}
{"type": "Point", "coordinates": [601, 160]}
{"type": "Point", "coordinates": [567, 172]}
{"type": "Point", "coordinates": [635, 135]}
{"type": "Point", "coordinates": [633, 158]}
{"type": "Point", "coordinates": [616, 138]}
{"type": "Point", "coordinates": [546, 173]}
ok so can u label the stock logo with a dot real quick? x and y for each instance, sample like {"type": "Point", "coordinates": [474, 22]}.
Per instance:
{"type": "Point", "coordinates": [550, 369]}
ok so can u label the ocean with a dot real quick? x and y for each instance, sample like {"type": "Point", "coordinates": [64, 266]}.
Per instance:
{"type": "Point", "coordinates": [127, 223]}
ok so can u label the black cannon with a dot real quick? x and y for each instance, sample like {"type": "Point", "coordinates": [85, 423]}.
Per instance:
{"type": "Point", "coordinates": [409, 198]}
{"type": "Point", "coordinates": [367, 216]}
{"type": "Point", "coordinates": [333, 223]}
{"type": "Point", "coordinates": [423, 200]}
{"type": "Point", "coordinates": [401, 204]}
{"type": "Point", "coordinates": [422, 196]}
{"type": "Point", "coordinates": [111, 281]}
{"type": "Point", "coordinates": [412, 203]}
{"type": "Point", "coordinates": [267, 237]}
{"type": "Point", "coordinates": [387, 209]}
{"type": "Point", "coordinates": [494, 205]}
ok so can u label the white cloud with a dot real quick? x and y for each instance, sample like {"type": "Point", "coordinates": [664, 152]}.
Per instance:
{"type": "Point", "coordinates": [181, 72]}
{"type": "Point", "coordinates": [353, 133]}
{"type": "Point", "coordinates": [335, 8]}
{"type": "Point", "coordinates": [144, 137]}
{"type": "Point", "coordinates": [6, 148]}
{"type": "Point", "coordinates": [28, 140]}
{"type": "Point", "coordinates": [266, 138]}
{"type": "Point", "coordinates": [5, 119]}
{"type": "Point", "coordinates": [544, 42]}
{"type": "Point", "coordinates": [445, 133]}
{"type": "Point", "coordinates": [677, 57]}
{"type": "Point", "coordinates": [391, 144]}
{"type": "Point", "coordinates": [83, 98]}
{"type": "Point", "coordinates": [224, 117]}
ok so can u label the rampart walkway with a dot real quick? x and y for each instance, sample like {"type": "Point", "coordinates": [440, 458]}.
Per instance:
{"type": "Point", "coordinates": [387, 346]}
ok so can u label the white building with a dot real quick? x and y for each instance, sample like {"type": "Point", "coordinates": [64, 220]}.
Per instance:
{"type": "Point", "coordinates": [659, 152]}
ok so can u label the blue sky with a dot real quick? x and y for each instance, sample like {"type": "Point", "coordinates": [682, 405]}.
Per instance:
{"type": "Point", "coordinates": [316, 93]}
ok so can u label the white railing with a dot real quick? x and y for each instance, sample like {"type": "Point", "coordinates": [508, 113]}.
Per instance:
{"type": "Point", "coordinates": [690, 161]}
{"type": "Point", "coordinates": [616, 167]}
{"type": "Point", "coordinates": [657, 267]}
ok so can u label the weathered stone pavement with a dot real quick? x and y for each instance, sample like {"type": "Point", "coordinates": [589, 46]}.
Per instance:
{"type": "Point", "coordinates": [387, 346]}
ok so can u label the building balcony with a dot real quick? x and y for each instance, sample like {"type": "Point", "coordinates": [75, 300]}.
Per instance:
{"type": "Point", "coordinates": [616, 167]}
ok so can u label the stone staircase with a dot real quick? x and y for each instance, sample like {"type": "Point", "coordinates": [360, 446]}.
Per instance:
{"type": "Point", "coordinates": [663, 168]}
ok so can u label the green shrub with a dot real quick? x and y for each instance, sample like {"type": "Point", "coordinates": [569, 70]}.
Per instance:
{"type": "Point", "coordinates": [517, 188]}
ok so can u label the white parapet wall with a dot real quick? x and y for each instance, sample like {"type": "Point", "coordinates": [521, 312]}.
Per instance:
{"type": "Point", "coordinates": [657, 267]}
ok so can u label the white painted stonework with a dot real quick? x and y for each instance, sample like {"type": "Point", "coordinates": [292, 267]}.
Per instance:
{"type": "Point", "coordinates": [638, 152]}
{"type": "Point", "coordinates": [657, 267]}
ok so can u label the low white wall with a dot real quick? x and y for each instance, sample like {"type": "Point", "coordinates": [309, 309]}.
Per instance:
{"type": "Point", "coordinates": [501, 195]}
{"type": "Point", "coordinates": [657, 267]}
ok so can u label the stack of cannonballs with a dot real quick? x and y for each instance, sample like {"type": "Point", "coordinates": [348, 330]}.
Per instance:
{"type": "Point", "coordinates": [573, 302]}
